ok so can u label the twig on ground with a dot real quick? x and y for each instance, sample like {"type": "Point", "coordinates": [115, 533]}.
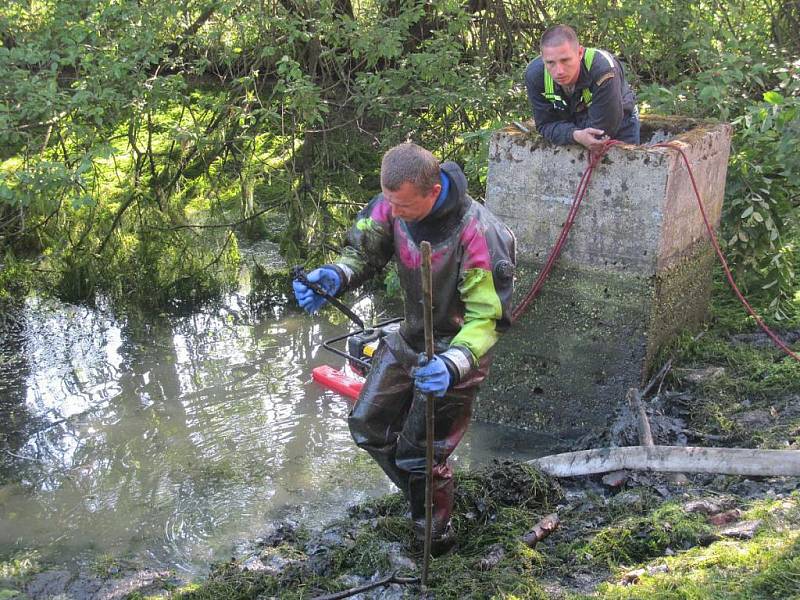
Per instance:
{"type": "Point", "coordinates": [645, 433]}
{"type": "Point", "coordinates": [388, 580]}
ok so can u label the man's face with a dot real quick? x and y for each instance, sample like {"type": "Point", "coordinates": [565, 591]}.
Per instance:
{"type": "Point", "coordinates": [563, 62]}
{"type": "Point", "coordinates": [408, 203]}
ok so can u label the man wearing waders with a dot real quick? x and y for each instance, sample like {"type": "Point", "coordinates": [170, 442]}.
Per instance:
{"type": "Point", "coordinates": [579, 95]}
{"type": "Point", "coordinates": [472, 271]}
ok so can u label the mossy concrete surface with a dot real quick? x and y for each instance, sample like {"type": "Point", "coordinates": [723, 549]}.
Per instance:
{"type": "Point", "coordinates": [635, 270]}
{"type": "Point", "coordinates": [565, 365]}
{"type": "Point", "coordinates": [561, 366]}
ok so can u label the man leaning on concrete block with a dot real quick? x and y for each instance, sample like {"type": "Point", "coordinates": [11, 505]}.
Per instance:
{"type": "Point", "coordinates": [580, 95]}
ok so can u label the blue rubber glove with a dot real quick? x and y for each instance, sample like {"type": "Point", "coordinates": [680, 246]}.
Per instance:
{"type": "Point", "coordinates": [432, 376]}
{"type": "Point", "coordinates": [307, 298]}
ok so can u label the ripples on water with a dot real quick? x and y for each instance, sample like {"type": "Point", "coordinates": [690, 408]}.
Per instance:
{"type": "Point", "coordinates": [170, 438]}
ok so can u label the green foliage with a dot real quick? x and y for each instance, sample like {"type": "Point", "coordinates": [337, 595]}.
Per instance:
{"type": "Point", "coordinates": [20, 565]}
{"type": "Point", "coordinates": [140, 135]}
{"type": "Point", "coordinates": [761, 225]}
{"type": "Point", "coordinates": [269, 286]}
{"type": "Point", "coordinates": [15, 278]}
{"type": "Point", "coordinates": [15, 571]}
{"type": "Point", "coordinates": [391, 281]}
{"type": "Point", "coordinates": [736, 73]}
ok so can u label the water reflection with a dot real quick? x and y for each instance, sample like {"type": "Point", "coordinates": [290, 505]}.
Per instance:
{"type": "Point", "coordinates": [169, 438]}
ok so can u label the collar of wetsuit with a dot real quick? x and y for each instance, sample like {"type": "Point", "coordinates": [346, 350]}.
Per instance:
{"type": "Point", "coordinates": [445, 180]}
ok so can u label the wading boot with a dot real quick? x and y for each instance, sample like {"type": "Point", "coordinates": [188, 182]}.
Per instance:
{"type": "Point", "coordinates": [441, 542]}
{"type": "Point", "coordinates": [442, 534]}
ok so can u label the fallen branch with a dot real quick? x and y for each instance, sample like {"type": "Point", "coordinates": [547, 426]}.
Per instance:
{"type": "Point", "coordinates": [706, 436]}
{"type": "Point", "coordinates": [645, 433]}
{"type": "Point", "coordinates": [388, 580]}
{"type": "Point", "coordinates": [662, 373]}
{"type": "Point", "coordinates": [672, 459]}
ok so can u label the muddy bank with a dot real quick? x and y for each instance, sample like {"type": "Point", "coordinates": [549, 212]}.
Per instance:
{"type": "Point", "coordinates": [614, 536]}
{"type": "Point", "coordinates": [617, 533]}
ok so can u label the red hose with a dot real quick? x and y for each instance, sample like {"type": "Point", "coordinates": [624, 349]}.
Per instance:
{"type": "Point", "coordinates": [594, 159]}
{"type": "Point", "coordinates": [778, 341]}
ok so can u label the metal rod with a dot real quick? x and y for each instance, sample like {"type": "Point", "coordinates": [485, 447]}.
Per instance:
{"type": "Point", "coordinates": [299, 274]}
{"type": "Point", "coordinates": [427, 311]}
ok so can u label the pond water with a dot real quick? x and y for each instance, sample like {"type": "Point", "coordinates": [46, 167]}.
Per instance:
{"type": "Point", "coordinates": [169, 440]}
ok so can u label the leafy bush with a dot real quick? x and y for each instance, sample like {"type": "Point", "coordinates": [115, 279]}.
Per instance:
{"type": "Point", "coordinates": [121, 120]}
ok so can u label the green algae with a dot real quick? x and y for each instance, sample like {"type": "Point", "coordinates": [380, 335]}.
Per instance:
{"type": "Point", "coordinates": [662, 542]}
{"type": "Point", "coordinates": [766, 567]}
{"type": "Point", "coordinates": [495, 505]}
{"type": "Point", "coordinates": [635, 539]}
{"type": "Point", "coordinates": [573, 354]}
{"type": "Point", "coordinates": [751, 398]}
{"type": "Point", "coordinates": [681, 300]}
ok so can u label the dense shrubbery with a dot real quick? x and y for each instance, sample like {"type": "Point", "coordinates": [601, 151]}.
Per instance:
{"type": "Point", "coordinates": [135, 136]}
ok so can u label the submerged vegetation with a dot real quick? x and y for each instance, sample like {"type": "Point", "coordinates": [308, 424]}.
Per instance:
{"type": "Point", "coordinates": [495, 505]}
{"type": "Point", "coordinates": [140, 141]}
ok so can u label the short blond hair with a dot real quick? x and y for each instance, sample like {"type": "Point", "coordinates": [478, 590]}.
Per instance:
{"type": "Point", "coordinates": [409, 163]}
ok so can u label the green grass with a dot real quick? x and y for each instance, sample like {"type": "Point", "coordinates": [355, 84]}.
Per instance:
{"type": "Point", "coordinates": [15, 571]}
{"type": "Point", "coordinates": [755, 376]}
{"type": "Point", "coordinates": [766, 567]}
{"type": "Point", "coordinates": [631, 540]}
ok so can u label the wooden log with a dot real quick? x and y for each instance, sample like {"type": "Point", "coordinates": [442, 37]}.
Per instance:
{"type": "Point", "coordinates": [645, 433]}
{"type": "Point", "coordinates": [541, 530]}
{"type": "Point", "coordinates": [636, 404]}
{"type": "Point", "coordinates": [673, 459]}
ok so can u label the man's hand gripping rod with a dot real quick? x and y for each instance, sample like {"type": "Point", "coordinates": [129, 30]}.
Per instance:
{"type": "Point", "coordinates": [299, 273]}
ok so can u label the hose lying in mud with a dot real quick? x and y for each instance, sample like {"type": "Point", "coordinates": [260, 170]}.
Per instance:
{"type": "Point", "coordinates": [672, 459]}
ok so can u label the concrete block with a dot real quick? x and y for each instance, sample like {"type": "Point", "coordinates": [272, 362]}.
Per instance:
{"type": "Point", "coordinates": [636, 268]}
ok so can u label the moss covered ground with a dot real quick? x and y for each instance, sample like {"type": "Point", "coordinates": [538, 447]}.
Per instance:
{"type": "Point", "coordinates": [738, 388]}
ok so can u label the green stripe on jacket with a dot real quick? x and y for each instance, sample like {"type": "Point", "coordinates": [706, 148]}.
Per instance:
{"type": "Point", "coordinates": [481, 309]}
